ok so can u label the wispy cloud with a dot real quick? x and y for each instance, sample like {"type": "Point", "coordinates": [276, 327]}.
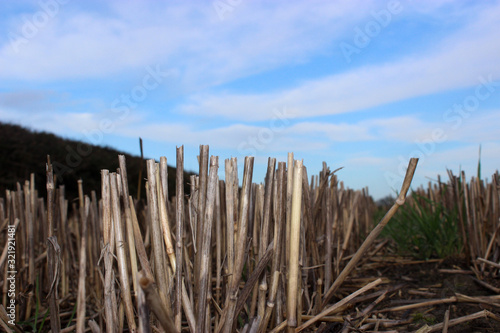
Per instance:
{"type": "Point", "coordinates": [228, 75]}
{"type": "Point", "coordinates": [25, 101]}
{"type": "Point", "coordinates": [456, 63]}
{"type": "Point", "coordinates": [85, 45]}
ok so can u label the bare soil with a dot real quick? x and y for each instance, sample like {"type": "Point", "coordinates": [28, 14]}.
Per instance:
{"type": "Point", "coordinates": [426, 281]}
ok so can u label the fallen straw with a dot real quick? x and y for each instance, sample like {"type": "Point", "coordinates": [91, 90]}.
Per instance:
{"type": "Point", "coordinates": [456, 321]}
{"type": "Point", "coordinates": [338, 305]}
{"type": "Point", "coordinates": [446, 322]}
{"type": "Point", "coordinates": [412, 165]}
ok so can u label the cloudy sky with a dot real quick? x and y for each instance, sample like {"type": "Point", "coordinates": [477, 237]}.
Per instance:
{"type": "Point", "coordinates": [363, 85]}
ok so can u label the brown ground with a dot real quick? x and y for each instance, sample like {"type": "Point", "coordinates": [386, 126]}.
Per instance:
{"type": "Point", "coordinates": [423, 281]}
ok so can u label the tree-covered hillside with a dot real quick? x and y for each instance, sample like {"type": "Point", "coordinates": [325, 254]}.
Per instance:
{"type": "Point", "coordinates": [23, 151]}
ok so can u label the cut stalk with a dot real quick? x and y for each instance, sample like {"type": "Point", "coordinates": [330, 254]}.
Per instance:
{"type": "Point", "coordinates": [329, 235]}
{"type": "Point", "coordinates": [202, 198]}
{"type": "Point", "coordinates": [293, 263]}
{"type": "Point", "coordinates": [52, 254]}
{"type": "Point", "coordinates": [280, 209]}
{"type": "Point", "coordinates": [122, 258]}
{"type": "Point", "coordinates": [157, 243]}
{"type": "Point", "coordinates": [218, 247]}
{"type": "Point", "coordinates": [28, 217]}
{"type": "Point", "coordinates": [289, 190]}
{"type": "Point", "coordinates": [264, 236]}
{"type": "Point", "coordinates": [227, 319]}
{"type": "Point", "coordinates": [142, 308]}
{"type": "Point", "coordinates": [179, 195]}
{"type": "Point", "coordinates": [128, 219]}
{"type": "Point", "coordinates": [165, 224]}
{"type": "Point", "coordinates": [206, 246]}
{"type": "Point", "coordinates": [162, 312]}
{"type": "Point", "coordinates": [108, 238]}
{"type": "Point", "coordinates": [139, 244]}
{"type": "Point", "coordinates": [229, 219]}
{"type": "Point", "coordinates": [84, 211]}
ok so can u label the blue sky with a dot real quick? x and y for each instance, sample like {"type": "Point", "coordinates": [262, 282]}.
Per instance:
{"type": "Point", "coordinates": [363, 85]}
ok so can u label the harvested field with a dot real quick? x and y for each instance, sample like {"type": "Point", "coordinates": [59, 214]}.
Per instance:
{"type": "Point", "coordinates": [295, 253]}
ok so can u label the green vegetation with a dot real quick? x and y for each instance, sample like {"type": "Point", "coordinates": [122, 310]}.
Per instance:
{"type": "Point", "coordinates": [425, 229]}
{"type": "Point", "coordinates": [424, 318]}
{"type": "Point", "coordinates": [456, 218]}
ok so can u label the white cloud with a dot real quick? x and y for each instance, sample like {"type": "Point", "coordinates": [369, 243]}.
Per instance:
{"type": "Point", "coordinates": [301, 137]}
{"type": "Point", "coordinates": [24, 100]}
{"type": "Point", "coordinates": [479, 126]}
{"type": "Point", "coordinates": [457, 62]}
{"type": "Point", "coordinates": [105, 47]}
{"type": "Point", "coordinates": [331, 132]}
{"type": "Point", "coordinates": [207, 50]}
{"type": "Point", "coordinates": [368, 160]}
{"type": "Point", "coordinates": [461, 158]}
{"type": "Point", "coordinates": [305, 136]}
{"type": "Point", "coordinates": [62, 123]}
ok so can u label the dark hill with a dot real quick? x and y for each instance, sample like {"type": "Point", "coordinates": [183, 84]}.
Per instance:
{"type": "Point", "coordinates": [24, 151]}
